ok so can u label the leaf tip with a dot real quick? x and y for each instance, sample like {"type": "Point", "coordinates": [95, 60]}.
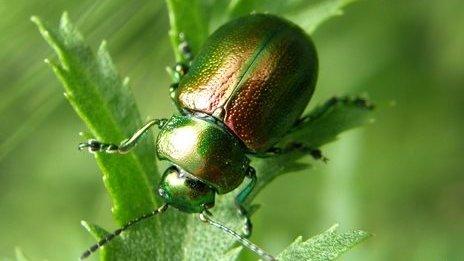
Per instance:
{"type": "Point", "coordinates": [298, 240]}
{"type": "Point", "coordinates": [67, 28]}
{"type": "Point", "coordinates": [126, 81]}
{"type": "Point", "coordinates": [65, 18]}
{"type": "Point", "coordinates": [363, 234]}
{"type": "Point", "coordinates": [35, 19]}
{"type": "Point", "coordinates": [38, 22]}
{"type": "Point", "coordinates": [334, 227]}
{"type": "Point", "coordinates": [86, 225]}
{"type": "Point", "coordinates": [103, 45]}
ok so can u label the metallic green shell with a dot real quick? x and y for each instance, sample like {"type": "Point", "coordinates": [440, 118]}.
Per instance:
{"type": "Point", "coordinates": [256, 74]}
{"type": "Point", "coordinates": [187, 194]}
{"type": "Point", "coordinates": [205, 150]}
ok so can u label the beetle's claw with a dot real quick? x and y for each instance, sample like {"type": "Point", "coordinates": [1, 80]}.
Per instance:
{"type": "Point", "coordinates": [317, 155]}
{"type": "Point", "coordinates": [91, 145]}
{"type": "Point", "coordinates": [83, 146]}
{"type": "Point", "coordinates": [325, 159]}
{"type": "Point", "coordinates": [247, 229]}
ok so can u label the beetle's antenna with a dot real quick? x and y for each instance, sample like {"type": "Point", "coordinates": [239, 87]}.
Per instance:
{"type": "Point", "coordinates": [206, 217]}
{"type": "Point", "coordinates": [118, 231]}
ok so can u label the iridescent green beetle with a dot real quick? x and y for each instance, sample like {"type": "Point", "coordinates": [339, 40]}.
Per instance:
{"type": "Point", "coordinates": [244, 91]}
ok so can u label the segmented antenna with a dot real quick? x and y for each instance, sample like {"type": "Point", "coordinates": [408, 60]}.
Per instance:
{"type": "Point", "coordinates": [206, 217]}
{"type": "Point", "coordinates": [118, 231]}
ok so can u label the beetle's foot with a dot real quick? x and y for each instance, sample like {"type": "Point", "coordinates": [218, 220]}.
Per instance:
{"type": "Point", "coordinates": [181, 69]}
{"type": "Point", "coordinates": [274, 151]}
{"type": "Point", "coordinates": [172, 90]}
{"type": "Point", "coordinates": [317, 155]}
{"type": "Point", "coordinates": [184, 48]}
{"type": "Point", "coordinates": [248, 226]}
{"type": "Point", "coordinates": [176, 72]}
{"type": "Point", "coordinates": [96, 146]}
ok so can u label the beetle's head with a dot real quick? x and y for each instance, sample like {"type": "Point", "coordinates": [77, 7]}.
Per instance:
{"type": "Point", "coordinates": [183, 191]}
{"type": "Point", "coordinates": [202, 150]}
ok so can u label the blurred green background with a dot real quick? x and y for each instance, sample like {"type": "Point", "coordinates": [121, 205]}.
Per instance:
{"type": "Point", "coordinates": [400, 178]}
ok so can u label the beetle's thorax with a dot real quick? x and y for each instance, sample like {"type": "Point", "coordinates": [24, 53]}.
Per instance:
{"type": "Point", "coordinates": [204, 149]}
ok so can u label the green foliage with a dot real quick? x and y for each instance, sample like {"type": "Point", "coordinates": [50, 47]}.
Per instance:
{"type": "Point", "coordinates": [106, 105]}
{"type": "Point", "coordinates": [325, 246]}
{"type": "Point", "coordinates": [307, 15]}
{"type": "Point", "coordinates": [325, 122]}
{"type": "Point", "coordinates": [311, 18]}
{"type": "Point", "coordinates": [321, 126]}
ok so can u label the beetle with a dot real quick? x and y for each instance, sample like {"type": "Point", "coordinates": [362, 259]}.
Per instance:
{"type": "Point", "coordinates": [247, 87]}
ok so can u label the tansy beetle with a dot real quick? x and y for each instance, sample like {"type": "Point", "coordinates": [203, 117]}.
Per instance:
{"type": "Point", "coordinates": [243, 92]}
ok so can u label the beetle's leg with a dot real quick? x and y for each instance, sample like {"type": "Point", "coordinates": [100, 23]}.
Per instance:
{"type": "Point", "coordinates": [317, 155]}
{"type": "Point", "coordinates": [176, 73]}
{"type": "Point", "coordinates": [241, 198]}
{"type": "Point", "coordinates": [185, 49]}
{"type": "Point", "coordinates": [125, 146]}
{"type": "Point", "coordinates": [181, 67]}
{"type": "Point", "coordinates": [296, 146]}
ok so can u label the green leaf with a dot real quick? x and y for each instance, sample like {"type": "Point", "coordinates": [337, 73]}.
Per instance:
{"type": "Point", "coordinates": [309, 16]}
{"type": "Point", "coordinates": [326, 122]}
{"type": "Point", "coordinates": [197, 18]}
{"type": "Point", "coordinates": [326, 246]}
{"type": "Point", "coordinates": [106, 105]}
{"type": "Point", "coordinates": [187, 17]}
{"type": "Point", "coordinates": [321, 126]}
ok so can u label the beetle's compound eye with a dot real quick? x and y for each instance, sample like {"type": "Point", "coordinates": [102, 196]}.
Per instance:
{"type": "Point", "coordinates": [183, 191]}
